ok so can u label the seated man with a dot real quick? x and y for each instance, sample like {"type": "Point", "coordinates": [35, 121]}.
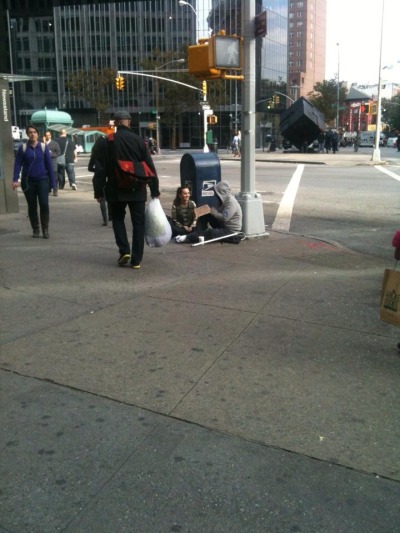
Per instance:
{"type": "Point", "coordinates": [224, 219]}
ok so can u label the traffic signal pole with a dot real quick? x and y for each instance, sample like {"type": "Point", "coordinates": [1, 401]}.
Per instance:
{"type": "Point", "coordinates": [250, 201]}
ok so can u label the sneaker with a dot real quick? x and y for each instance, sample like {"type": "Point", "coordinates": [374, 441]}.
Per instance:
{"type": "Point", "coordinates": [136, 267]}
{"type": "Point", "coordinates": [105, 223]}
{"type": "Point", "coordinates": [74, 187]}
{"type": "Point", "coordinates": [180, 238]}
{"type": "Point", "coordinates": [123, 259]}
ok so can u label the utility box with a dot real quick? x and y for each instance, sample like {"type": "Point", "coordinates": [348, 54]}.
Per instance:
{"type": "Point", "coordinates": [200, 173]}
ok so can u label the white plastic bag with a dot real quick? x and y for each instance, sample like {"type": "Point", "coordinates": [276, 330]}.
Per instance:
{"type": "Point", "coordinates": [157, 229]}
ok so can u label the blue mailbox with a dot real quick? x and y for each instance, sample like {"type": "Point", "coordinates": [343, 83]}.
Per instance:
{"type": "Point", "coordinates": [200, 173]}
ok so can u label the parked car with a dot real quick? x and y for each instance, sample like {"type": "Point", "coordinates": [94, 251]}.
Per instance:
{"type": "Point", "coordinates": [392, 142]}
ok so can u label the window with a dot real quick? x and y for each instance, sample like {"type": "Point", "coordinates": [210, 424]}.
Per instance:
{"type": "Point", "coordinates": [300, 24]}
{"type": "Point", "coordinates": [300, 4]}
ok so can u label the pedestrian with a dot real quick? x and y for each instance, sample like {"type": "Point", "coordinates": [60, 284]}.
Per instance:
{"type": "Point", "coordinates": [33, 161]}
{"type": "Point", "coordinates": [220, 221]}
{"type": "Point", "coordinates": [55, 151]}
{"type": "Point", "coordinates": [95, 162]}
{"type": "Point", "coordinates": [321, 142]}
{"type": "Point", "coordinates": [124, 146]}
{"type": "Point", "coordinates": [398, 141]}
{"type": "Point", "coordinates": [335, 141]}
{"type": "Point", "coordinates": [183, 213]}
{"type": "Point", "coordinates": [328, 141]}
{"type": "Point", "coordinates": [236, 145]}
{"type": "Point", "coordinates": [69, 151]}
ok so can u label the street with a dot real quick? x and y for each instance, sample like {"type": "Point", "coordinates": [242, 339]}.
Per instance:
{"type": "Point", "coordinates": [356, 207]}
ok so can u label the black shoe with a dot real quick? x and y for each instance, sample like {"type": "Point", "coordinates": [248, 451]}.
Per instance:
{"type": "Point", "coordinates": [124, 259]}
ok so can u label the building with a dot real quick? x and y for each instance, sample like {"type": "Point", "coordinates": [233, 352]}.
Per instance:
{"type": "Point", "coordinates": [306, 45]}
{"type": "Point", "coordinates": [50, 40]}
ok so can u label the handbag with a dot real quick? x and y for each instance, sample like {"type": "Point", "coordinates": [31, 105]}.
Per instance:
{"type": "Point", "coordinates": [389, 310]}
{"type": "Point", "coordinates": [61, 158]}
{"type": "Point", "coordinates": [133, 174]}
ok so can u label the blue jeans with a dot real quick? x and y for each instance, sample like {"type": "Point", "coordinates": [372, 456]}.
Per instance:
{"type": "Point", "coordinates": [137, 211]}
{"type": "Point", "coordinates": [34, 191]}
{"type": "Point", "coordinates": [70, 168]}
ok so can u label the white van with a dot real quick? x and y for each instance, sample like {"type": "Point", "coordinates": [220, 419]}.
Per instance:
{"type": "Point", "coordinates": [367, 138]}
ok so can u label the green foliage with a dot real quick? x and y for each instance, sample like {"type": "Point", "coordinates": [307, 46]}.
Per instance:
{"type": "Point", "coordinates": [391, 113]}
{"type": "Point", "coordinates": [324, 98]}
{"type": "Point", "coordinates": [93, 86]}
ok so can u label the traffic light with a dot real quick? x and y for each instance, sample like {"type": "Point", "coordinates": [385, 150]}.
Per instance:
{"type": "Point", "coordinates": [212, 119]}
{"type": "Point", "coordinates": [120, 83]}
{"type": "Point", "coordinates": [204, 87]}
{"type": "Point", "coordinates": [214, 57]}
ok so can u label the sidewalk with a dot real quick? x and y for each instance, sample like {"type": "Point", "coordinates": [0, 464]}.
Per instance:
{"type": "Point", "coordinates": [225, 388]}
{"type": "Point", "coordinates": [345, 157]}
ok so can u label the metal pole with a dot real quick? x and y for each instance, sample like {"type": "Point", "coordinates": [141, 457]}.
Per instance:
{"type": "Point", "coordinates": [250, 201]}
{"type": "Point", "coordinates": [376, 154]}
{"type": "Point", "coordinates": [205, 145]}
{"type": "Point", "coordinates": [338, 90]}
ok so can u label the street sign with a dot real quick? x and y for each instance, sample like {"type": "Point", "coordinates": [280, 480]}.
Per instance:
{"type": "Point", "coordinates": [205, 107]}
{"type": "Point", "coordinates": [260, 24]}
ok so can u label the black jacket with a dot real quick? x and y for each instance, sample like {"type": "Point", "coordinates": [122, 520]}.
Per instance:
{"type": "Point", "coordinates": [130, 147]}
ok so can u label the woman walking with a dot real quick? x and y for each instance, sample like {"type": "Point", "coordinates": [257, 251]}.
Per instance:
{"type": "Point", "coordinates": [37, 179]}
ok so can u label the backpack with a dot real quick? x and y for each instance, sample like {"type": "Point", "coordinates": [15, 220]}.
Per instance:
{"type": "Point", "coordinates": [129, 174]}
{"type": "Point", "coordinates": [24, 147]}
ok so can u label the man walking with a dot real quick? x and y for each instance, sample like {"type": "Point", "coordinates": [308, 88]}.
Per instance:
{"type": "Point", "coordinates": [68, 149]}
{"type": "Point", "coordinates": [54, 149]}
{"type": "Point", "coordinates": [124, 146]}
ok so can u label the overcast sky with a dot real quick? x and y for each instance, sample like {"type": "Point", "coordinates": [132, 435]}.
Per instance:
{"type": "Point", "coordinates": [356, 26]}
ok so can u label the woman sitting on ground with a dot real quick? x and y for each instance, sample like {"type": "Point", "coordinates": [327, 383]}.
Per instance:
{"type": "Point", "coordinates": [183, 215]}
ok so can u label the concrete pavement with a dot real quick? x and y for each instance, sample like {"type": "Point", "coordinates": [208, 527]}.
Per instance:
{"type": "Point", "coordinates": [243, 388]}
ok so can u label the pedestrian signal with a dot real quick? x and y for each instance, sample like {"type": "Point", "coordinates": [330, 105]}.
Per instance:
{"type": "Point", "coordinates": [120, 83]}
{"type": "Point", "coordinates": [214, 57]}
{"type": "Point", "coordinates": [212, 119]}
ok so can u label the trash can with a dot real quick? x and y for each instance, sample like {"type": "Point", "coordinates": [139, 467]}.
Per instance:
{"type": "Point", "coordinates": [215, 146]}
{"type": "Point", "coordinates": [273, 146]}
{"type": "Point", "coordinates": [200, 173]}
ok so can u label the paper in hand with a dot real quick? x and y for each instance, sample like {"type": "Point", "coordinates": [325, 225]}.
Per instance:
{"type": "Point", "coordinates": [202, 210]}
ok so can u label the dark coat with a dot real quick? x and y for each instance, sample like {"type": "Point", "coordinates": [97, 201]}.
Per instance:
{"type": "Point", "coordinates": [130, 147]}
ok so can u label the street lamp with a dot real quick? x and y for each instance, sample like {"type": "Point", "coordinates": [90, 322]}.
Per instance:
{"type": "Point", "coordinates": [376, 154]}
{"type": "Point", "coordinates": [338, 90]}
{"type": "Point", "coordinates": [183, 3]}
{"type": "Point", "coordinates": [157, 98]}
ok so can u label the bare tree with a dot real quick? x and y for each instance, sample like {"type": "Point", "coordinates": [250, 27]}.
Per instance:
{"type": "Point", "coordinates": [95, 87]}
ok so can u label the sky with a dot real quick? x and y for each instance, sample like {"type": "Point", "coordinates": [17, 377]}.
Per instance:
{"type": "Point", "coordinates": [356, 26]}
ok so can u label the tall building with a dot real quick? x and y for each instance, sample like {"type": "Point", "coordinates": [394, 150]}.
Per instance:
{"type": "Point", "coordinates": [306, 45]}
{"type": "Point", "coordinates": [64, 37]}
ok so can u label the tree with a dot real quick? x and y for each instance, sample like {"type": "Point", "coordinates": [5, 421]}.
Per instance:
{"type": "Point", "coordinates": [324, 98]}
{"type": "Point", "coordinates": [172, 98]}
{"type": "Point", "coordinates": [391, 113]}
{"type": "Point", "coordinates": [95, 87]}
